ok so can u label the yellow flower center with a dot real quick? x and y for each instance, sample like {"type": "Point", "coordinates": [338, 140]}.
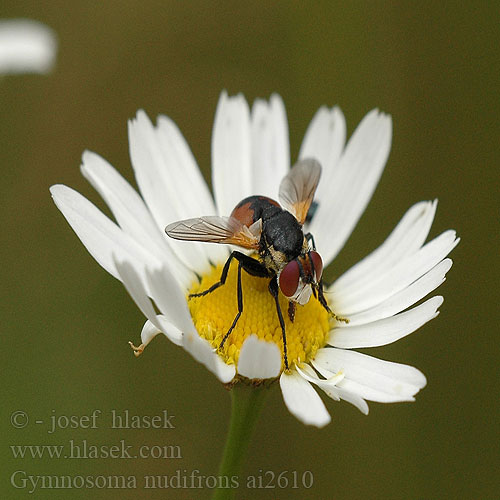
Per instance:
{"type": "Point", "coordinates": [214, 313]}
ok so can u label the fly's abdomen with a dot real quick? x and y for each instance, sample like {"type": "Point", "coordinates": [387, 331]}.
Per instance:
{"type": "Point", "coordinates": [253, 208]}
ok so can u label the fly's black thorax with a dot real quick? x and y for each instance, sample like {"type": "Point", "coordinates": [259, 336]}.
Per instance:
{"type": "Point", "coordinates": [284, 233]}
{"type": "Point", "coordinates": [281, 240]}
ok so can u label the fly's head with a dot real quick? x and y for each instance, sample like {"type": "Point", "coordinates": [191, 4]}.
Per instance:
{"type": "Point", "coordinates": [301, 277]}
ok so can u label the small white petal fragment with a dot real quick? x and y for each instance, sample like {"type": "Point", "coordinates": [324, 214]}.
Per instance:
{"type": "Point", "coordinates": [26, 46]}
{"type": "Point", "coordinates": [305, 371]}
{"type": "Point", "coordinates": [202, 351]}
{"type": "Point", "coordinates": [270, 146]}
{"type": "Point", "coordinates": [302, 400]}
{"type": "Point", "coordinates": [231, 153]}
{"type": "Point", "coordinates": [385, 331]}
{"type": "Point", "coordinates": [148, 333]}
{"type": "Point", "coordinates": [259, 359]}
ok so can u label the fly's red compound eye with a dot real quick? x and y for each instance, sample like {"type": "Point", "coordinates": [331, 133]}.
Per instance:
{"type": "Point", "coordinates": [289, 278]}
{"type": "Point", "coordinates": [318, 264]}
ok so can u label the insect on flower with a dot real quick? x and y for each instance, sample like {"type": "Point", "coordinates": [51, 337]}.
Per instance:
{"type": "Point", "coordinates": [275, 232]}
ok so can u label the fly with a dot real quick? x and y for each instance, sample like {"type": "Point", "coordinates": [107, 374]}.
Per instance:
{"type": "Point", "coordinates": [275, 232]}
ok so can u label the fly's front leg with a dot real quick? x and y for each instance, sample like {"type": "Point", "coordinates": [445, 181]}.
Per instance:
{"type": "Point", "coordinates": [322, 301]}
{"type": "Point", "coordinates": [273, 289]}
{"type": "Point", "coordinates": [310, 238]}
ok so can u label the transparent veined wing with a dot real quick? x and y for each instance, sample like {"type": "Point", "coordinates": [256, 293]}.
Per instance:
{"type": "Point", "coordinates": [298, 187]}
{"type": "Point", "coordinates": [215, 229]}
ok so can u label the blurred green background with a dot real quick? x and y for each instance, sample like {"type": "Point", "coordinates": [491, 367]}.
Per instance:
{"type": "Point", "coordinates": [65, 322]}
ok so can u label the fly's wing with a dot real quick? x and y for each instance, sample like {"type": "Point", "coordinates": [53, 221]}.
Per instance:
{"type": "Point", "coordinates": [214, 229]}
{"type": "Point", "coordinates": [298, 187]}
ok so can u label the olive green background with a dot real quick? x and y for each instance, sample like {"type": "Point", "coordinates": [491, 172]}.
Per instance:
{"type": "Point", "coordinates": [65, 322]}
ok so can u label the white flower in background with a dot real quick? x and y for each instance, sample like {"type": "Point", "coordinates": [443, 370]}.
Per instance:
{"type": "Point", "coordinates": [250, 155]}
{"type": "Point", "coordinates": [26, 46]}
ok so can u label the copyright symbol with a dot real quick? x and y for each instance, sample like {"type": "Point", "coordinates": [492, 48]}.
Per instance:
{"type": "Point", "coordinates": [19, 419]}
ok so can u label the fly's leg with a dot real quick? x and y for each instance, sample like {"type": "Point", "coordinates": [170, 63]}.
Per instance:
{"type": "Point", "coordinates": [310, 238]}
{"type": "Point", "coordinates": [251, 266]}
{"type": "Point", "coordinates": [273, 289]}
{"type": "Point", "coordinates": [292, 307]}
{"type": "Point", "coordinates": [322, 301]}
{"type": "Point", "coordinates": [219, 283]}
{"type": "Point", "coordinates": [240, 307]}
{"type": "Point", "coordinates": [321, 297]}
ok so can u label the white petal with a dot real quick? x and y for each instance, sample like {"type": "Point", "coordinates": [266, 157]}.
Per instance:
{"type": "Point", "coordinates": [26, 46]}
{"type": "Point", "coordinates": [199, 348]}
{"type": "Point", "coordinates": [352, 398]}
{"type": "Point", "coordinates": [168, 301]}
{"type": "Point", "coordinates": [131, 213]}
{"type": "Point", "coordinates": [385, 331]}
{"type": "Point", "coordinates": [186, 180]}
{"type": "Point", "coordinates": [231, 153]}
{"type": "Point", "coordinates": [270, 146]}
{"type": "Point", "coordinates": [302, 400]}
{"type": "Point", "coordinates": [357, 175]}
{"type": "Point", "coordinates": [259, 359]}
{"type": "Point", "coordinates": [183, 169]}
{"type": "Point", "coordinates": [332, 389]}
{"type": "Point", "coordinates": [150, 331]}
{"type": "Point", "coordinates": [102, 237]}
{"type": "Point", "coordinates": [204, 353]}
{"type": "Point", "coordinates": [169, 298]}
{"type": "Point", "coordinates": [371, 378]}
{"type": "Point", "coordinates": [172, 327]}
{"type": "Point", "coordinates": [387, 282]}
{"type": "Point", "coordinates": [372, 394]}
{"type": "Point", "coordinates": [406, 297]}
{"type": "Point", "coordinates": [134, 285]}
{"type": "Point", "coordinates": [324, 140]}
{"type": "Point", "coordinates": [156, 176]}
{"type": "Point", "coordinates": [328, 386]}
{"type": "Point", "coordinates": [406, 238]}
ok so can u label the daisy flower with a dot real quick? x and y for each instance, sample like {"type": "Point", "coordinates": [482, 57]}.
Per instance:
{"type": "Point", "coordinates": [250, 155]}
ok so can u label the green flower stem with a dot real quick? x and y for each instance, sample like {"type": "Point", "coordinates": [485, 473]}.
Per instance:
{"type": "Point", "coordinates": [247, 402]}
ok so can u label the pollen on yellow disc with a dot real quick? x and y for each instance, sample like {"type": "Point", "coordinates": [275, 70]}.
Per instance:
{"type": "Point", "coordinates": [214, 313]}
